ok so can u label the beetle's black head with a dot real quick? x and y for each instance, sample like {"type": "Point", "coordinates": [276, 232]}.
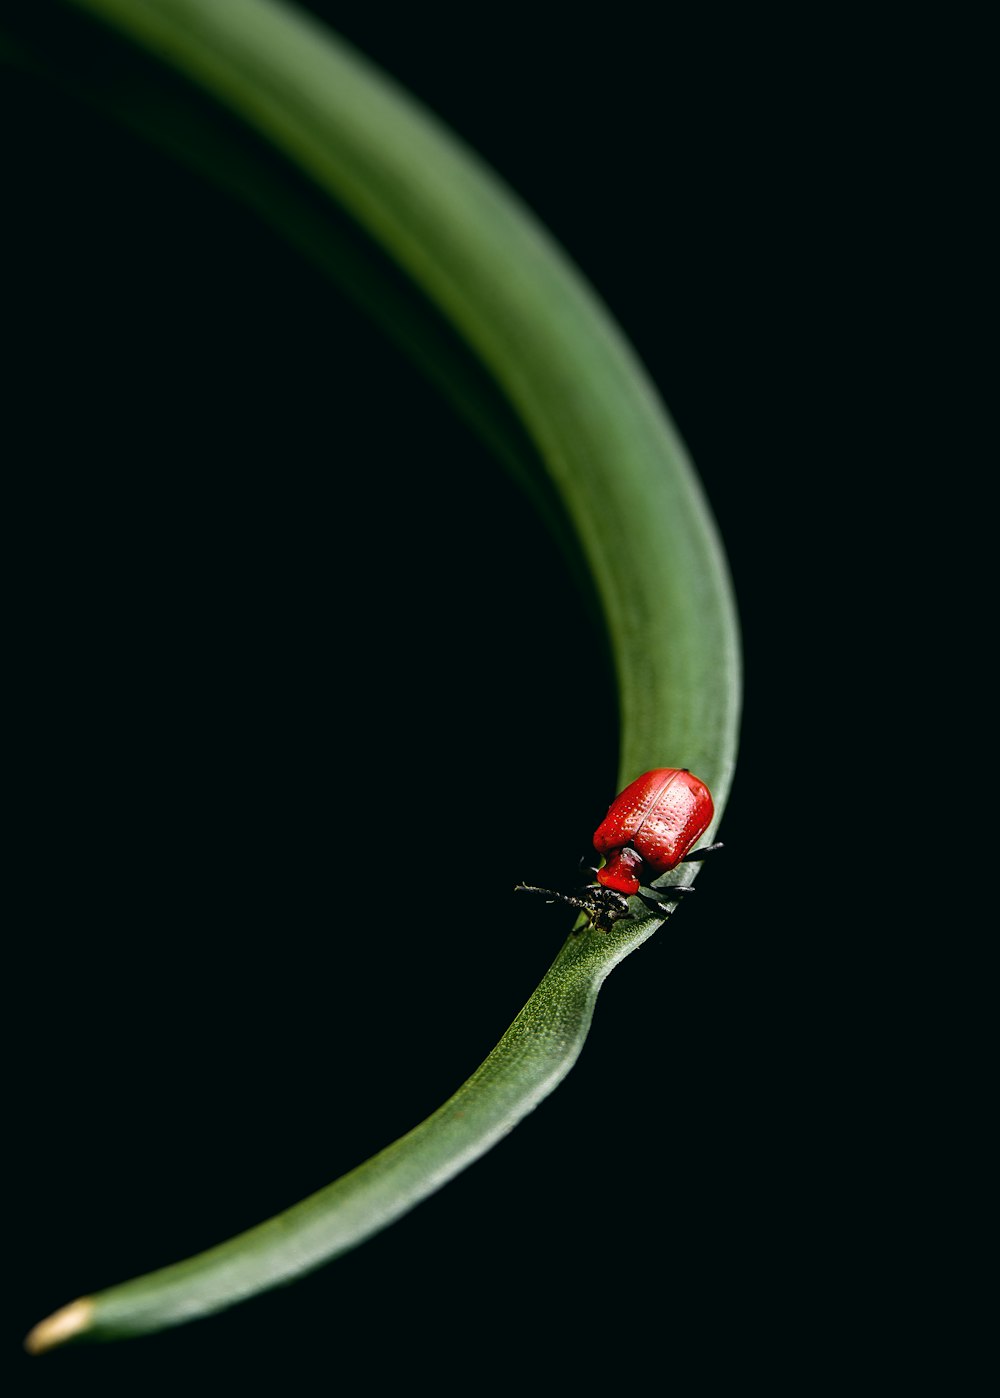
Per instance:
{"type": "Point", "coordinates": [604, 906]}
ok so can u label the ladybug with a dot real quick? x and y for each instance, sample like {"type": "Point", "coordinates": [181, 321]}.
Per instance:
{"type": "Point", "coordinates": [650, 828]}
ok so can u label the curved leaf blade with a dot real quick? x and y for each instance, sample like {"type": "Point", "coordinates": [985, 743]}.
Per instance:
{"type": "Point", "coordinates": [530, 1060]}
{"type": "Point", "coordinates": [627, 486]}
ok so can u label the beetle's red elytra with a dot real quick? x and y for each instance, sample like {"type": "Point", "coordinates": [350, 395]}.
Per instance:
{"type": "Point", "coordinates": [651, 827]}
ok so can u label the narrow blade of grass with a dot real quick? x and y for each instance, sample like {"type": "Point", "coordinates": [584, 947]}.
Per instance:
{"type": "Point", "coordinates": [626, 485]}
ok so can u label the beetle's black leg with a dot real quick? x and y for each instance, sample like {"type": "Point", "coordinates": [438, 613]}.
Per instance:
{"type": "Point", "coordinates": [656, 897]}
{"type": "Point", "coordinates": [700, 853]}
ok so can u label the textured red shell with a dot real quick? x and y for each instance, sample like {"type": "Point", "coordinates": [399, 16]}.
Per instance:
{"type": "Point", "coordinates": [651, 826]}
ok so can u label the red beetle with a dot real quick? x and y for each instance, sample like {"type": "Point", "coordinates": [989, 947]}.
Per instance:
{"type": "Point", "coordinates": [650, 827]}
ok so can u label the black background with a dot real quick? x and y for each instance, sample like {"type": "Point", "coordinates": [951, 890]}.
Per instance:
{"type": "Point", "coordinates": [243, 580]}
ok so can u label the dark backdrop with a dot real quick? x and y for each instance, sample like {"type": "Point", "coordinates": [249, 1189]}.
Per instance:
{"type": "Point", "coordinates": [243, 579]}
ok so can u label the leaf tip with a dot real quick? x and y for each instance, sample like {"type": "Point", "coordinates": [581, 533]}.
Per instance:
{"type": "Point", "coordinates": [60, 1326]}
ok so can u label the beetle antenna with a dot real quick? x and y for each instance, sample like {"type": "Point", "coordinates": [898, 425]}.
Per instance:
{"type": "Point", "coordinates": [554, 896]}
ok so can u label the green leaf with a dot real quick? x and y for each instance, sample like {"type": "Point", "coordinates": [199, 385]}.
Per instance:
{"type": "Point", "coordinates": [618, 472]}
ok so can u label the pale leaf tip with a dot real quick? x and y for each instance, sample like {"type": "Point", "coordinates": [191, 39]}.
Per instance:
{"type": "Point", "coordinates": [60, 1326]}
